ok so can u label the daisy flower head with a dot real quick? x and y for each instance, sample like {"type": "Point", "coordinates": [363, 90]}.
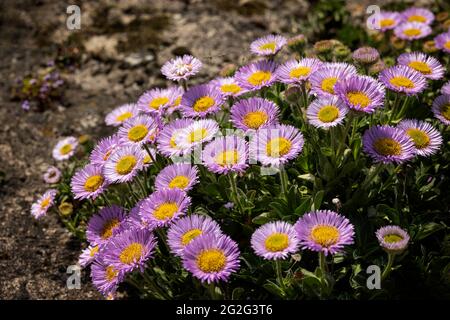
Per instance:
{"type": "Point", "coordinates": [52, 175]}
{"type": "Point", "coordinates": [181, 68]}
{"type": "Point", "coordinates": [121, 114]}
{"type": "Point", "coordinates": [155, 101]}
{"type": "Point", "coordinates": [325, 112]}
{"type": "Point", "coordinates": [105, 277]}
{"type": "Point", "coordinates": [163, 207]}
{"type": "Point", "coordinates": [201, 100]}
{"type": "Point", "coordinates": [104, 148]}
{"type": "Point", "coordinates": [427, 139]}
{"type": "Point", "coordinates": [139, 130]}
{"type": "Point", "coordinates": [366, 55]}
{"type": "Point", "coordinates": [124, 164]}
{"type": "Point", "coordinates": [428, 66]}
{"type": "Point", "coordinates": [446, 88]}
{"type": "Point", "coordinates": [134, 219]}
{"type": "Point", "coordinates": [103, 225]}
{"type": "Point", "coordinates": [361, 93]}
{"type": "Point", "coordinates": [442, 41]}
{"type": "Point", "coordinates": [412, 31]}
{"type": "Point", "coordinates": [186, 229]}
{"type": "Point", "coordinates": [176, 93]}
{"type": "Point", "coordinates": [226, 154]}
{"type": "Point", "coordinates": [324, 80]}
{"type": "Point", "coordinates": [88, 255]}
{"type": "Point", "coordinates": [387, 144]}
{"type": "Point", "coordinates": [268, 45]}
{"type": "Point", "coordinates": [276, 145]}
{"type": "Point", "coordinates": [129, 250]}
{"type": "Point", "coordinates": [388, 20]}
{"type": "Point", "coordinates": [195, 134]}
{"type": "Point", "coordinates": [211, 257]}
{"type": "Point", "coordinates": [228, 86]}
{"type": "Point", "coordinates": [393, 239]}
{"type": "Point", "coordinates": [88, 182]}
{"type": "Point", "coordinates": [420, 15]}
{"type": "Point", "coordinates": [403, 79]}
{"type": "Point", "coordinates": [256, 75]}
{"type": "Point", "coordinates": [298, 71]}
{"type": "Point", "coordinates": [177, 176]}
{"type": "Point", "coordinates": [166, 139]}
{"type": "Point", "coordinates": [324, 231]}
{"type": "Point", "coordinates": [41, 206]}
{"type": "Point", "coordinates": [441, 109]}
{"type": "Point", "coordinates": [65, 148]}
{"type": "Point", "coordinates": [254, 113]}
{"type": "Point", "coordinates": [275, 240]}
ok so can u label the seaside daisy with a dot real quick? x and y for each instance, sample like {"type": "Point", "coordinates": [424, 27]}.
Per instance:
{"type": "Point", "coordinates": [201, 100]}
{"type": "Point", "coordinates": [441, 108]}
{"type": "Point", "coordinates": [177, 176]}
{"type": "Point", "coordinates": [181, 68]}
{"type": "Point", "coordinates": [52, 175]}
{"type": "Point", "coordinates": [139, 130]}
{"type": "Point", "coordinates": [366, 55]}
{"type": "Point", "coordinates": [40, 207]}
{"type": "Point", "coordinates": [256, 75]}
{"type": "Point", "coordinates": [325, 112]}
{"type": "Point", "coordinates": [195, 134]}
{"type": "Point", "coordinates": [442, 41]}
{"type": "Point", "coordinates": [104, 224]}
{"type": "Point", "coordinates": [324, 80]}
{"type": "Point", "coordinates": [268, 45]}
{"type": "Point", "coordinates": [446, 88]}
{"type": "Point", "coordinates": [88, 255]}
{"type": "Point", "coordinates": [428, 66]}
{"type": "Point", "coordinates": [124, 164]}
{"type": "Point", "coordinates": [121, 114]}
{"type": "Point", "coordinates": [228, 86]}
{"type": "Point", "coordinates": [254, 113]}
{"type": "Point", "coordinates": [104, 148]}
{"type": "Point", "coordinates": [105, 277]}
{"type": "Point", "coordinates": [88, 182]}
{"type": "Point", "coordinates": [176, 93]}
{"type": "Point", "coordinates": [65, 148]}
{"type": "Point", "coordinates": [155, 101]}
{"type": "Point", "coordinates": [393, 239]}
{"type": "Point", "coordinates": [388, 20]}
{"type": "Point", "coordinates": [166, 139]}
{"type": "Point", "coordinates": [427, 139]}
{"type": "Point", "coordinates": [226, 154]}
{"type": "Point", "coordinates": [412, 31]}
{"type": "Point", "coordinates": [403, 79]}
{"type": "Point", "coordinates": [297, 71]}
{"type": "Point", "coordinates": [420, 15]}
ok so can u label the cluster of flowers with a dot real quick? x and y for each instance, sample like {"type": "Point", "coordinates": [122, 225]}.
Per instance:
{"type": "Point", "coordinates": [176, 121]}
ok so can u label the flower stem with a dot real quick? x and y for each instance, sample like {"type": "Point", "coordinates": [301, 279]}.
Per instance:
{"type": "Point", "coordinates": [279, 272]}
{"type": "Point", "coordinates": [152, 157]}
{"type": "Point", "coordinates": [234, 193]}
{"type": "Point", "coordinates": [136, 198]}
{"type": "Point", "coordinates": [284, 182]}
{"type": "Point", "coordinates": [322, 263]}
{"type": "Point", "coordinates": [387, 270]}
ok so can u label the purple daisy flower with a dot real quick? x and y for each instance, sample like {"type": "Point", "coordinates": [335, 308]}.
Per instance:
{"type": "Point", "coordinates": [177, 176]}
{"type": "Point", "coordinates": [388, 20]}
{"type": "Point", "coordinates": [129, 250]}
{"type": "Point", "coordinates": [156, 101]}
{"type": "Point", "coordinates": [121, 114]}
{"type": "Point", "coordinates": [201, 100]}
{"type": "Point", "coordinates": [256, 75]}
{"type": "Point", "coordinates": [420, 15]}
{"type": "Point", "coordinates": [412, 31]}
{"type": "Point", "coordinates": [226, 154]}
{"type": "Point", "coordinates": [442, 41]}
{"type": "Point", "coordinates": [276, 145]}
{"type": "Point", "coordinates": [104, 148]}
{"type": "Point", "coordinates": [65, 148]}
{"type": "Point", "coordinates": [403, 79]}
{"type": "Point", "coordinates": [268, 45]}
{"type": "Point", "coordinates": [366, 55]}
{"type": "Point", "coordinates": [105, 277]}
{"type": "Point", "coordinates": [163, 207]}
{"type": "Point", "coordinates": [296, 72]}
{"type": "Point", "coordinates": [41, 206]}
{"type": "Point", "coordinates": [88, 256]}
{"type": "Point", "coordinates": [275, 240]}
{"type": "Point", "coordinates": [195, 134]}
{"type": "Point", "coordinates": [325, 112]}
{"type": "Point", "coordinates": [177, 94]}
{"type": "Point", "coordinates": [361, 93]}
{"type": "Point", "coordinates": [134, 219]}
{"type": "Point", "coordinates": [139, 130]}
{"type": "Point", "coordinates": [211, 257]}
{"type": "Point", "coordinates": [102, 226]}
{"type": "Point", "coordinates": [183, 231]}
{"type": "Point", "coordinates": [427, 140]}
{"type": "Point", "coordinates": [124, 164]}
{"type": "Point", "coordinates": [168, 135]}
{"type": "Point", "coordinates": [446, 88]}
{"type": "Point", "coordinates": [324, 231]}
{"type": "Point", "coordinates": [228, 86]}
{"type": "Point", "coordinates": [393, 239]}
{"type": "Point", "coordinates": [428, 66]}
{"type": "Point", "coordinates": [388, 144]}
{"type": "Point", "coordinates": [324, 80]}
{"type": "Point", "coordinates": [254, 113]}
{"type": "Point", "coordinates": [88, 182]}
{"type": "Point", "coordinates": [52, 175]}
{"type": "Point", "coordinates": [441, 109]}
{"type": "Point", "coordinates": [181, 68]}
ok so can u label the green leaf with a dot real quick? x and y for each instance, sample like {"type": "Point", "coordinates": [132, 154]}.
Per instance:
{"type": "Point", "coordinates": [262, 218]}
{"type": "Point", "coordinates": [318, 200]}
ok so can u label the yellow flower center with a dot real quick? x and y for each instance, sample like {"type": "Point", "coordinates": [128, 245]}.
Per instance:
{"type": "Point", "coordinates": [203, 104]}
{"type": "Point", "coordinates": [328, 84]}
{"type": "Point", "coordinates": [158, 102]}
{"type": "Point", "coordinates": [387, 147]}
{"type": "Point", "coordinates": [420, 66]}
{"type": "Point", "coordinates": [65, 149]}
{"type": "Point", "coordinates": [177, 101]}
{"type": "Point", "coordinates": [328, 113]}
{"type": "Point", "coordinates": [108, 228]}
{"type": "Point", "coordinates": [179, 182]}
{"type": "Point", "coordinates": [165, 211]}
{"type": "Point", "coordinates": [325, 235]}
{"type": "Point", "coordinates": [268, 46]}
{"type": "Point", "coordinates": [278, 147]}
{"type": "Point", "coordinates": [211, 260]}
{"type": "Point", "coordinates": [132, 253]}
{"type": "Point", "coordinates": [401, 81]}
{"type": "Point", "coordinates": [392, 238]}
{"type": "Point", "coordinates": [413, 32]}
{"type": "Point", "coordinates": [417, 18]}
{"type": "Point", "coordinates": [110, 273]}
{"type": "Point", "coordinates": [230, 88]}
{"type": "Point", "coordinates": [137, 133]}
{"type": "Point", "coordinates": [126, 164]}
{"type": "Point", "coordinates": [277, 242]}
{"type": "Point", "coordinates": [445, 111]}
{"type": "Point", "coordinates": [358, 98]}
{"type": "Point", "coordinates": [198, 135]}
{"type": "Point", "coordinates": [124, 116]}
{"type": "Point", "coordinates": [45, 203]}
{"type": "Point", "coordinates": [147, 159]}
{"type": "Point", "coordinates": [93, 183]}
{"type": "Point", "coordinates": [190, 235]}
{"type": "Point", "coordinates": [227, 157]}
{"type": "Point", "coordinates": [93, 251]}
{"type": "Point", "coordinates": [420, 138]}
{"type": "Point", "coordinates": [255, 119]}
{"type": "Point", "coordinates": [447, 45]}
{"type": "Point", "coordinates": [386, 23]}
{"type": "Point", "coordinates": [299, 72]}
{"type": "Point", "coordinates": [259, 77]}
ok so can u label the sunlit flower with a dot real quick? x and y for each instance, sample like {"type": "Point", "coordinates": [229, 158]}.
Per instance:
{"type": "Point", "coordinates": [88, 182]}
{"type": "Point", "coordinates": [105, 277]}
{"type": "Point", "coordinates": [65, 148]}
{"type": "Point", "coordinates": [104, 224]}
{"type": "Point", "coordinates": [388, 20]}
{"type": "Point", "coordinates": [177, 176]}
{"type": "Point", "coordinates": [420, 15]}
{"type": "Point", "coordinates": [256, 75]}
{"type": "Point", "coordinates": [412, 30]}
{"type": "Point", "coordinates": [441, 109]}
{"type": "Point", "coordinates": [104, 148]}
{"type": "Point", "coordinates": [403, 79]}
{"type": "Point", "coordinates": [121, 114]}
{"type": "Point", "coordinates": [442, 41]}
{"type": "Point", "coordinates": [139, 130]}
{"type": "Point", "coordinates": [366, 55]}
{"type": "Point", "coordinates": [324, 80]}
{"type": "Point", "coordinates": [166, 139]}
{"type": "Point", "coordinates": [428, 66]}
{"type": "Point", "coordinates": [226, 154]}
{"type": "Point", "coordinates": [326, 112]}
{"type": "Point", "coordinates": [156, 101]}
{"type": "Point", "coordinates": [393, 239]}
{"type": "Point", "coordinates": [124, 164]}
{"type": "Point", "coordinates": [427, 139]}
{"type": "Point", "coordinates": [268, 45]}
{"type": "Point", "coordinates": [228, 86]}
{"type": "Point", "coordinates": [254, 113]}
{"type": "Point", "coordinates": [88, 255]}
{"type": "Point", "coordinates": [195, 134]}
{"type": "Point", "coordinates": [298, 71]}
{"type": "Point", "coordinates": [181, 68]}
{"type": "Point", "coordinates": [201, 100]}
{"type": "Point", "coordinates": [41, 206]}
